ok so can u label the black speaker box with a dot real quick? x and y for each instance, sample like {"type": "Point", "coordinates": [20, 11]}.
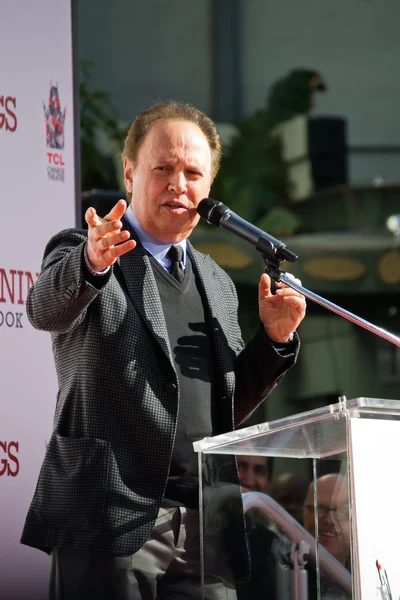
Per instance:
{"type": "Point", "coordinates": [327, 150]}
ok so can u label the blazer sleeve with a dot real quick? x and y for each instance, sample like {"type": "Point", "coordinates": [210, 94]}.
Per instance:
{"type": "Point", "coordinates": [259, 367]}
{"type": "Point", "coordinates": [58, 300]}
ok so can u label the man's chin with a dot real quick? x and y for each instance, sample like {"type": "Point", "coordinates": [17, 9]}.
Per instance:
{"type": "Point", "coordinates": [330, 542]}
{"type": "Point", "coordinates": [176, 230]}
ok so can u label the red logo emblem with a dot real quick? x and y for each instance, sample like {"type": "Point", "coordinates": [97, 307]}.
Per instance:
{"type": "Point", "coordinates": [55, 119]}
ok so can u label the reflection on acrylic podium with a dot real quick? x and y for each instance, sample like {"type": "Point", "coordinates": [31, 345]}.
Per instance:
{"type": "Point", "coordinates": [348, 544]}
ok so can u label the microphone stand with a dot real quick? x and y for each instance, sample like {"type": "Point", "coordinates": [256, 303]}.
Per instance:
{"type": "Point", "coordinates": [275, 255]}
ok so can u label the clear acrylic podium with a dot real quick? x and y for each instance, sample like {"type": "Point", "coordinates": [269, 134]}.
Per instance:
{"type": "Point", "coordinates": [352, 547]}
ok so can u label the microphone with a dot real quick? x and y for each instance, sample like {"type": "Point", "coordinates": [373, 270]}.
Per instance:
{"type": "Point", "coordinates": [220, 215]}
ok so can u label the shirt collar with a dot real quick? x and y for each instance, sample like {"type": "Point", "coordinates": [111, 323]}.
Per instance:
{"type": "Point", "coordinates": [155, 247]}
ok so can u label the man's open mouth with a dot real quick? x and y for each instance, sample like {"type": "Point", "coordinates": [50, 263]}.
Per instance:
{"type": "Point", "coordinates": [328, 534]}
{"type": "Point", "coordinates": [175, 207]}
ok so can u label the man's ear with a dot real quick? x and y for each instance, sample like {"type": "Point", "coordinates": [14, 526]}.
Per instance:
{"type": "Point", "coordinates": [128, 175]}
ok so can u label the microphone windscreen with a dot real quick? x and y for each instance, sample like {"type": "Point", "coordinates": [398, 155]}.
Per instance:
{"type": "Point", "coordinates": [212, 210]}
{"type": "Point", "coordinates": [205, 207]}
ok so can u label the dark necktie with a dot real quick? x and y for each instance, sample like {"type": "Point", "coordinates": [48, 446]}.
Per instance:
{"type": "Point", "coordinates": [175, 255]}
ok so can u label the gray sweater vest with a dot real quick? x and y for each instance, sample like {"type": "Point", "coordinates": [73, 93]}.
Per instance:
{"type": "Point", "coordinates": [189, 336]}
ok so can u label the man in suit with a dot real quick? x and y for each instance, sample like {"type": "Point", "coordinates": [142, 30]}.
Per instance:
{"type": "Point", "coordinates": [149, 358]}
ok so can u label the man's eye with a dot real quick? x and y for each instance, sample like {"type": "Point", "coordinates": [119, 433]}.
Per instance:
{"type": "Point", "coordinates": [260, 470]}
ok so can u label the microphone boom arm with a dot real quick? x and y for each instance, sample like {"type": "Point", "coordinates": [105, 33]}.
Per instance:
{"type": "Point", "coordinates": [273, 270]}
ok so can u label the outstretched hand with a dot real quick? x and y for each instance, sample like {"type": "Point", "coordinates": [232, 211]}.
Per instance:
{"type": "Point", "coordinates": [106, 241]}
{"type": "Point", "coordinates": [282, 312]}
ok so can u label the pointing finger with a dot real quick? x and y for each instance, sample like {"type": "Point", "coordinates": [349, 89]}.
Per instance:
{"type": "Point", "coordinates": [117, 211]}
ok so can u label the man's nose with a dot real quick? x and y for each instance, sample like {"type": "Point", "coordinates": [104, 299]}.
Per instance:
{"type": "Point", "coordinates": [248, 479]}
{"type": "Point", "coordinates": [329, 518]}
{"type": "Point", "coordinates": [177, 183]}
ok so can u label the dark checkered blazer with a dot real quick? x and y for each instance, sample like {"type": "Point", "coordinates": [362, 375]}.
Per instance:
{"type": "Point", "coordinates": [107, 462]}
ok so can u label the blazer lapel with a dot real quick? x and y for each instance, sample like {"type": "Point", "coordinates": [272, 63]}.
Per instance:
{"type": "Point", "coordinates": [201, 266]}
{"type": "Point", "coordinates": [210, 285]}
{"type": "Point", "coordinates": [143, 291]}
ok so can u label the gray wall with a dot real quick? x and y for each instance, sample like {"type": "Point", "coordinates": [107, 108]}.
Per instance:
{"type": "Point", "coordinates": [148, 50]}
{"type": "Point", "coordinates": [153, 49]}
{"type": "Point", "coordinates": [355, 44]}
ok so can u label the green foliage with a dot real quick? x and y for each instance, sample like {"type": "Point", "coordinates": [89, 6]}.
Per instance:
{"type": "Point", "coordinates": [253, 176]}
{"type": "Point", "coordinates": [98, 118]}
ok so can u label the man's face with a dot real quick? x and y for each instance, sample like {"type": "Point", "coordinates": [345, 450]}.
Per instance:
{"type": "Point", "coordinates": [333, 516]}
{"type": "Point", "coordinates": [172, 175]}
{"type": "Point", "coordinates": [253, 473]}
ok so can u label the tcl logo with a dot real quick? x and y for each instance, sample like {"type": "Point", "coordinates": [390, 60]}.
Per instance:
{"type": "Point", "coordinates": [9, 463]}
{"type": "Point", "coordinates": [8, 118]}
{"type": "Point", "coordinates": [54, 158]}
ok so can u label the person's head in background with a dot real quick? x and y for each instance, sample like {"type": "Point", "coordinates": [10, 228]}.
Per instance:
{"type": "Point", "coordinates": [333, 515]}
{"type": "Point", "coordinates": [255, 473]}
{"type": "Point", "coordinates": [289, 490]}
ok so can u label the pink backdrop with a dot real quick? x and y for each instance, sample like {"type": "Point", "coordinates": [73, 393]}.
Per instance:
{"type": "Point", "coordinates": [37, 190]}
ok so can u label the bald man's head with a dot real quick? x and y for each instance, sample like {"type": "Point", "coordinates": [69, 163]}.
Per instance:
{"type": "Point", "coordinates": [333, 514]}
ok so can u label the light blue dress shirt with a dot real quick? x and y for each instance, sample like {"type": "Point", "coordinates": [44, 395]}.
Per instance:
{"type": "Point", "coordinates": [155, 247]}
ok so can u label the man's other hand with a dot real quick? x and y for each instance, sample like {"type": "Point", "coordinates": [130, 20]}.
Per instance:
{"type": "Point", "coordinates": [282, 312]}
